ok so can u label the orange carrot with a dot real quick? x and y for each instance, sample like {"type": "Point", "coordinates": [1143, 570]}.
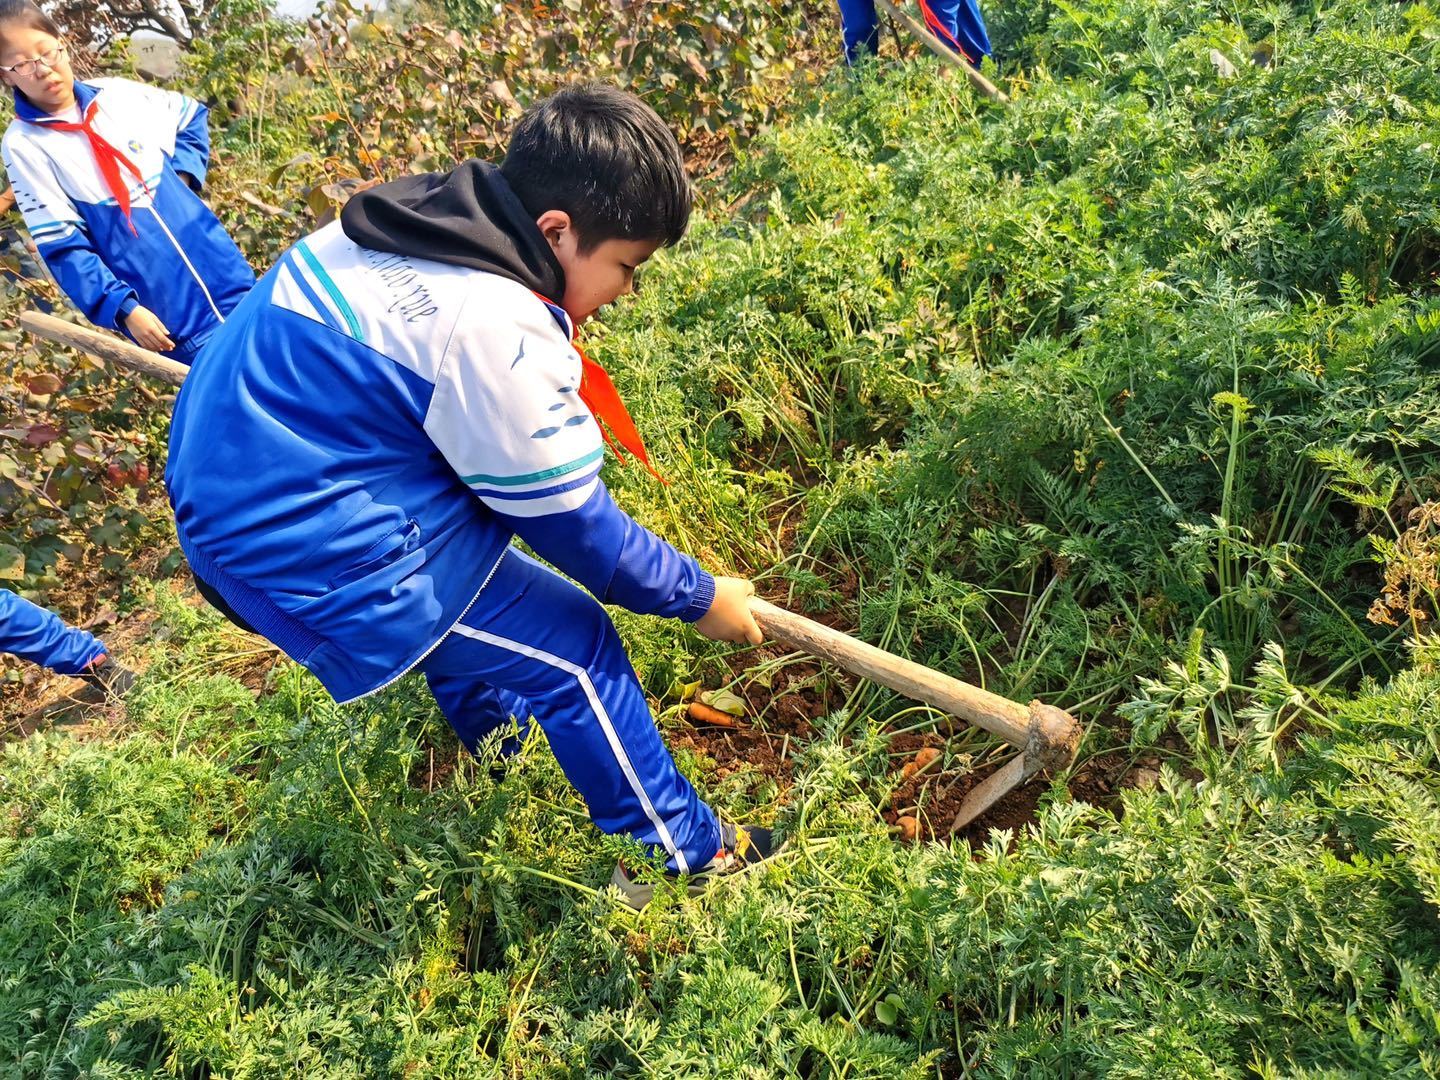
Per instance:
{"type": "Point", "coordinates": [701, 713]}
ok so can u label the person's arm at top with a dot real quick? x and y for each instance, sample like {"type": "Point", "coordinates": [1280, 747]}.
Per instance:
{"type": "Point", "coordinates": [507, 415]}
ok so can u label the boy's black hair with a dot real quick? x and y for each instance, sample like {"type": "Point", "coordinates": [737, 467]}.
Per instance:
{"type": "Point", "coordinates": [24, 13]}
{"type": "Point", "coordinates": [604, 157]}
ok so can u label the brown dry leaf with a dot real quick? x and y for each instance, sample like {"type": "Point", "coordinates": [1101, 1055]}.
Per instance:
{"type": "Point", "coordinates": [42, 385]}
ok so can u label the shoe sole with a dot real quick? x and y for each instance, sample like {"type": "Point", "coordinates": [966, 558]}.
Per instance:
{"type": "Point", "coordinates": [639, 893]}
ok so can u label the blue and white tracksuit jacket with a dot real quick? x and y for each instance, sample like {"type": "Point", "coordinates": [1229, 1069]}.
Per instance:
{"type": "Point", "coordinates": [349, 461]}
{"type": "Point", "coordinates": [40, 636]}
{"type": "Point", "coordinates": [179, 262]}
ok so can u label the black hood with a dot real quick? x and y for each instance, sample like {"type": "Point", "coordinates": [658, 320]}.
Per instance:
{"type": "Point", "coordinates": [467, 216]}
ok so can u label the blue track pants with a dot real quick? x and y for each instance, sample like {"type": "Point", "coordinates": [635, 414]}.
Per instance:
{"type": "Point", "coordinates": [958, 23]}
{"type": "Point", "coordinates": [533, 644]}
{"type": "Point", "coordinates": [32, 633]}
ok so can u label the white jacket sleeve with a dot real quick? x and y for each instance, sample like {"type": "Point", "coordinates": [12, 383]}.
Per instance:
{"type": "Point", "coordinates": [61, 237]}
{"type": "Point", "coordinates": [507, 414]}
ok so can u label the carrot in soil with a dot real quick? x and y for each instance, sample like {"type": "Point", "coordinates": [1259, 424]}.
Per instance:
{"type": "Point", "coordinates": [921, 762]}
{"type": "Point", "coordinates": [701, 713]}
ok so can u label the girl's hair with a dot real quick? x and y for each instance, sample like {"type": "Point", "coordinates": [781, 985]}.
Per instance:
{"type": "Point", "coordinates": [26, 14]}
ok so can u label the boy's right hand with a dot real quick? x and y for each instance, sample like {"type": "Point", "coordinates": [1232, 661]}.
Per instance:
{"type": "Point", "coordinates": [147, 330]}
{"type": "Point", "coordinates": [729, 617]}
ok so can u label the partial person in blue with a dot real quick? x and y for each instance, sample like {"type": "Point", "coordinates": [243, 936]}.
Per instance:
{"type": "Point", "coordinates": [958, 23]}
{"type": "Point", "coordinates": [106, 174]}
{"type": "Point", "coordinates": [41, 637]}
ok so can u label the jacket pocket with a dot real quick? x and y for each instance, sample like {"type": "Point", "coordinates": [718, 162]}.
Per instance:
{"type": "Point", "coordinates": [380, 554]}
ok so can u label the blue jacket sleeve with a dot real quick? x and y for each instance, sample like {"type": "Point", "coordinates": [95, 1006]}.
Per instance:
{"type": "Point", "coordinates": [35, 634]}
{"type": "Point", "coordinates": [617, 558]}
{"type": "Point", "coordinates": [61, 238]}
{"type": "Point", "coordinates": [103, 298]}
{"type": "Point", "coordinates": [192, 140]}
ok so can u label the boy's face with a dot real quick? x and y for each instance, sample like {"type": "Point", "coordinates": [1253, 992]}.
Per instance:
{"type": "Point", "coordinates": [49, 86]}
{"type": "Point", "coordinates": [596, 277]}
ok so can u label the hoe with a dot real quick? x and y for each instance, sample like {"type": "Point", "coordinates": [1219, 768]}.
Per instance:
{"type": "Point", "coordinates": [1046, 737]}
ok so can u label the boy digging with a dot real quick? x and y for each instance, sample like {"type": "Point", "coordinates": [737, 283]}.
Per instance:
{"type": "Point", "coordinates": [398, 397]}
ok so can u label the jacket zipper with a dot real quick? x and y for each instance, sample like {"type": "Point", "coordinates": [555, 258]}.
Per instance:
{"type": "Point", "coordinates": [189, 265]}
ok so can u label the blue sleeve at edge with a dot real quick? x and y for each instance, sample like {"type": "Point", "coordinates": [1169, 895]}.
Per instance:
{"type": "Point", "coordinates": [617, 559]}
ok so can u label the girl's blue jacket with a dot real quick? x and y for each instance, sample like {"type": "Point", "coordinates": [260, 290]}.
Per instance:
{"type": "Point", "coordinates": [179, 261]}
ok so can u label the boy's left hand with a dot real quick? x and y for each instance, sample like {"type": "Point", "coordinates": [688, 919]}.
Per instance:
{"type": "Point", "coordinates": [729, 617]}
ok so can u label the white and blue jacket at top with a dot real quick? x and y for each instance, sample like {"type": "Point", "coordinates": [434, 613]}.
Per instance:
{"type": "Point", "coordinates": [356, 447]}
{"type": "Point", "coordinates": [179, 262]}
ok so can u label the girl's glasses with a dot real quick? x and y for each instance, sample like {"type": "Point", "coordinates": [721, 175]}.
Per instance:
{"type": "Point", "coordinates": [28, 67]}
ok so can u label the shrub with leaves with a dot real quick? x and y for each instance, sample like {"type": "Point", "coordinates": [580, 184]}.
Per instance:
{"type": "Point", "coordinates": [78, 447]}
{"type": "Point", "coordinates": [382, 95]}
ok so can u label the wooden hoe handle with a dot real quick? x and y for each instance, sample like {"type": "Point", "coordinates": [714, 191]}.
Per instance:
{"type": "Point", "coordinates": [1047, 735]}
{"type": "Point", "coordinates": [106, 346]}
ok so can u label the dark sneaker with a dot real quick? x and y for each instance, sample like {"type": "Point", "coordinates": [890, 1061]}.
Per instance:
{"type": "Point", "coordinates": [110, 679]}
{"type": "Point", "coordinates": [742, 847]}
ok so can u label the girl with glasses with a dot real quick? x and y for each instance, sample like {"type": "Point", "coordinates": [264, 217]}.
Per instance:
{"type": "Point", "coordinates": [106, 174]}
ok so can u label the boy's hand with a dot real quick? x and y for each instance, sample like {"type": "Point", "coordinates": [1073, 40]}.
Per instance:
{"type": "Point", "coordinates": [729, 617]}
{"type": "Point", "coordinates": [147, 329]}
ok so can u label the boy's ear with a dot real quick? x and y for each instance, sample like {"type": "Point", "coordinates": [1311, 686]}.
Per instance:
{"type": "Point", "coordinates": [557, 228]}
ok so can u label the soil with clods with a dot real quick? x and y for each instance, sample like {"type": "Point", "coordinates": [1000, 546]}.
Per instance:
{"type": "Point", "coordinates": [930, 783]}
{"type": "Point", "coordinates": [781, 712]}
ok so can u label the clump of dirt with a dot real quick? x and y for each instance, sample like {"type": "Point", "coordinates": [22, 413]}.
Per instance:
{"type": "Point", "coordinates": [1097, 781]}
{"type": "Point", "coordinates": [439, 765]}
{"type": "Point", "coordinates": [798, 696]}
{"type": "Point", "coordinates": [739, 748]}
{"type": "Point", "coordinates": [929, 788]}
{"type": "Point", "coordinates": [933, 798]}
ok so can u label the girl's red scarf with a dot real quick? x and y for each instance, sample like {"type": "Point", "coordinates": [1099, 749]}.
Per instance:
{"type": "Point", "coordinates": [107, 157]}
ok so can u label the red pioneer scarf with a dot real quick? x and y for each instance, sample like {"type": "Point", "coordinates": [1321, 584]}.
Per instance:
{"type": "Point", "coordinates": [107, 157]}
{"type": "Point", "coordinates": [598, 393]}
{"type": "Point", "coordinates": [938, 29]}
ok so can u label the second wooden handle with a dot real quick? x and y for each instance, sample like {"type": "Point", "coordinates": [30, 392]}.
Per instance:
{"type": "Point", "coordinates": [106, 346]}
